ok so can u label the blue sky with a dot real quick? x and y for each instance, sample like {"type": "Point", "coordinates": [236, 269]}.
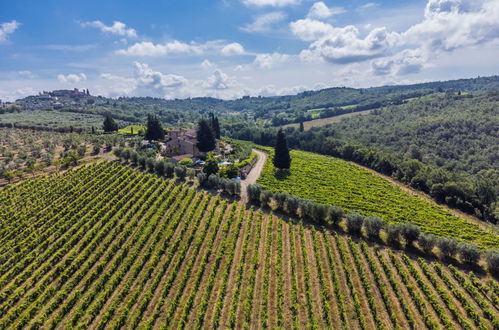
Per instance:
{"type": "Point", "coordinates": [231, 48]}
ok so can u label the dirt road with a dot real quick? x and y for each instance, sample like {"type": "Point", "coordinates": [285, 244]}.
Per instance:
{"type": "Point", "coordinates": [254, 174]}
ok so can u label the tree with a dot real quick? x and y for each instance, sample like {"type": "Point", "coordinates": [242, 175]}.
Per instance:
{"type": "Point", "coordinates": [281, 160]}
{"type": "Point", "coordinates": [470, 253]}
{"type": "Point", "coordinates": [211, 165]}
{"type": "Point", "coordinates": [427, 242]}
{"type": "Point", "coordinates": [109, 124]}
{"type": "Point", "coordinates": [215, 125]}
{"type": "Point", "coordinates": [354, 222]}
{"type": "Point", "coordinates": [373, 225]}
{"type": "Point", "coordinates": [154, 130]}
{"type": "Point", "coordinates": [301, 127]}
{"type": "Point", "coordinates": [206, 137]}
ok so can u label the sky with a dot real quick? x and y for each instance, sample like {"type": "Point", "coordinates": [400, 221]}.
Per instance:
{"type": "Point", "coordinates": [232, 48]}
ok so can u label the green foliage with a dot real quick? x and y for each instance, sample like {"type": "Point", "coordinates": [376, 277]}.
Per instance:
{"type": "Point", "coordinates": [281, 159]}
{"type": "Point", "coordinates": [211, 164]}
{"type": "Point", "coordinates": [333, 181]}
{"type": "Point", "coordinates": [205, 136]}
{"type": "Point", "coordinates": [154, 129]}
{"type": "Point", "coordinates": [187, 162]}
{"type": "Point", "coordinates": [109, 124]}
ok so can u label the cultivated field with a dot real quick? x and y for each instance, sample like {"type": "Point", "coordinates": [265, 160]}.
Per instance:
{"type": "Point", "coordinates": [329, 120]}
{"type": "Point", "coordinates": [106, 246]}
{"type": "Point", "coordinates": [334, 181]}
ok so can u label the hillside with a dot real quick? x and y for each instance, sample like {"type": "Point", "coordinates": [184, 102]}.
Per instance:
{"type": "Point", "coordinates": [106, 246]}
{"type": "Point", "coordinates": [334, 181]}
{"type": "Point", "coordinates": [276, 110]}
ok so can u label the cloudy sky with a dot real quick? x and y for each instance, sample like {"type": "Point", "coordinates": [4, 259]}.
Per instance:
{"type": "Point", "coordinates": [231, 48]}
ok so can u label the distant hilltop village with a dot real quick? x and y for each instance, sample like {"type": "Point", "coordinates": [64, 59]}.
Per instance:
{"type": "Point", "coordinates": [57, 99]}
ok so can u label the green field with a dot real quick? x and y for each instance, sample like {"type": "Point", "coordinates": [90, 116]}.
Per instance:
{"type": "Point", "coordinates": [128, 129]}
{"type": "Point", "coordinates": [108, 247]}
{"type": "Point", "coordinates": [333, 181]}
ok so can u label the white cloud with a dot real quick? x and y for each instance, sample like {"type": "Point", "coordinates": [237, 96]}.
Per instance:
{"type": "Point", "coordinates": [233, 49]}
{"type": "Point", "coordinates": [271, 3]}
{"type": "Point", "coordinates": [309, 29]}
{"type": "Point", "coordinates": [207, 65]}
{"type": "Point", "coordinates": [264, 22]}
{"type": "Point", "coordinates": [319, 10]}
{"type": "Point", "coordinates": [71, 78]}
{"type": "Point", "coordinates": [27, 74]}
{"type": "Point", "coordinates": [269, 61]}
{"type": "Point", "coordinates": [117, 28]}
{"type": "Point", "coordinates": [218, 80]}
{"type": "Point", "coordinates": [6, 29]}
{"type": "Point", "coordinates": [452, 24]}
{"type": "Point", "coordinates": [150, 82]}
{"type": "Point", "coordinates": [405, 62]}
{"type": "Point", "coordinates": [147, 48]}
{"type": "Point", "coordinates": [369, 5]}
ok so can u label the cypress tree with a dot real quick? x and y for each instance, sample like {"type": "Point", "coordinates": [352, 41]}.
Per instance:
{"type": "Point", "coordinates": [154, 129]}
{"type": "Point", "coordinates": [206, 137]}
{"type": "Point", "coordinates": [109, 124]}
{"type": "Point", "coordinates": [281, 160]}
{"type": "Point", "coordinates": [216, 128]}
{"type": "Point", "coordinates": [301, 127]}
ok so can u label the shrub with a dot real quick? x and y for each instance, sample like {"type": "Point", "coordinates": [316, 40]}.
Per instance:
{"type": "Point", "coordinates": [117, 152]}
{"type": "Point", "coordinates": [142, 162]}
{"type": "Point", "coordinates": [492, 258]}
{"type": "Point", "coordinates": [393, 232]}
{"type": "Point", "coordinates": [213, 181]}
{"type": "Point", "coordinates": [160, 168]}
{"type": "Point", "coordinates": [187, 162]}
{"type": "Point", "coordinates": [335, 214]}
{"type": "Point", "coordinates": [280, 198]}
{"type": "Point", "coordinates": [373, 225]}
{"type": "Point", "coordinates": [125, 154]}
{"type": "Point", "coordinates": [292, 204]}
{"type": "Point", "coordinates": [306, 208]}
{"type": "Point", "coordinates": [469, 253]}
{"type": "Point", "coordinates": [354, 222]}
{"type": "Point", "coordinates": [265, 197]}
{"type": "Point", "coordinates": [448, 246]}
{"type": "Point", "coordinates": [169, 169]}
{"type": "Point", "coordinates": [202, 179]}
{"type": "Point", "coordinates": [410, 232]}
{"type": "Point", "coordinates": [134, 157]}
{"type": "Point", "coordinates": [180, 172]}
{"type": "Point", "coordinates": [254, 191]}
{"type": "Point", "coordinates": [427, 242]}
{"type": "Point", "coordinates": [150, 164]}
{"type": "Point", "coordinates": [319, 213]}
{"type": "Point", "coordinates": [191, 173]}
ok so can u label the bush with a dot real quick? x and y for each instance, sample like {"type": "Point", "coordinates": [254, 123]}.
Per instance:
{"type": "Point", "coordinates": [150, 164]}
{"type": "Point", "coordinates": [492, 258]}
{"type": "Point", "coordinates": [373, 225]}
{"type": "Point", "coordinates": [125, 154]}
{"type": "Point", "coordinates": [469, 253]}
{"type": "Point", "coordinates": [393, 232]}
{"type": "Point", "coordinates": [134, 157]}
{"type": "Point", "coordinates": [410, 232]}
{"type": "Point", "coordinates": [191, 173]}
{"type": "Point", "coordinates": [180, 172]}
{"type": "Point", "coordinates": [319, 213]}
{"type": "Point", "coordinates": [202, 179]}
{"type": "Point", "coordinates": [335, 214]}
{"type": "Point", "coordinates": [265, 197]}
{"type": "Point", "coordinates": [117, 152]}
{"type": "Point", "coordinates": [187, 162]}
{"type": "Point", "coordinates": [254, 191]}
{"type": "Point", "coordinates": [291, 204]}
{"type": "Point", "coordinates": [354, 222]}
{"type": "Point", "coordinates": [214, 181]}
{"type": "Point", "coordinates": [448, 246]}
{"type": "Point", "coordinates": [160, 168]}
{"type": "Point", "coordinates": [427, 242]}
{"type": "Point", "coordinates": [169, 169]}
{"type": "Point", "coordinates": [306, 208]}
{"type": "Point", "coordinates": [142, 162]}
{"type": "Point", "coordinates": [280, 199]}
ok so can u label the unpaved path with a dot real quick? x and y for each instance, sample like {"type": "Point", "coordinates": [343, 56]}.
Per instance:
{"type": "Point", "coordinates": [253, 175]}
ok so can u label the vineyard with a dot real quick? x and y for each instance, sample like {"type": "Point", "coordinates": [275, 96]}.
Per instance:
{"type": "Point", "coordinates": [105, 246]}
{"type": "Point", "coordinates": [334, 181]}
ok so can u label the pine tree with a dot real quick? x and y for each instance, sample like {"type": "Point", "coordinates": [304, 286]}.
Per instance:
{"type": "Point", "coordinates": [109, 124]}
{"type": "Point", "coordinates": [281, 160]}
{"type": "Point", "coordinates": [154, 129]}
{"type": "Point", "coordinates": [206, 137]}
